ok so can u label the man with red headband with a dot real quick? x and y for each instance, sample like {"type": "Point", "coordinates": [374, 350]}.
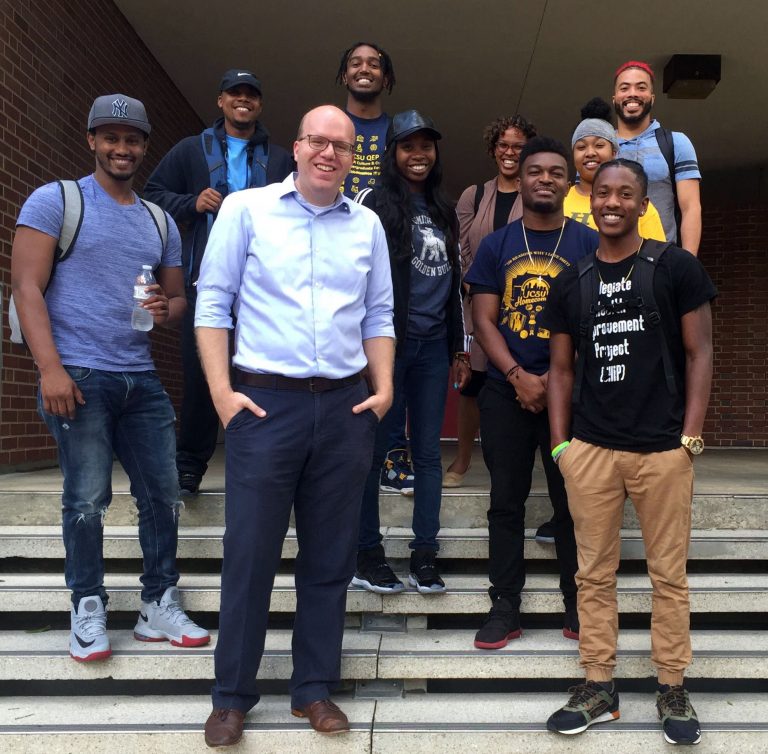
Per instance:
{"type": "Point", "coordinates": [668, 157]}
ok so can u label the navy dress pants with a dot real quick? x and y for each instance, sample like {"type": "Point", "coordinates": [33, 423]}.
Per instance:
{"type": "Point", "coordinates": [313, 454]}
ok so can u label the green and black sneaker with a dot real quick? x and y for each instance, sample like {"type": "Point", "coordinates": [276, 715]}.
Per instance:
{"type": "Point", "coordinates": [590, 703]}
{"type": "Point", "coordinates": [677, 715]}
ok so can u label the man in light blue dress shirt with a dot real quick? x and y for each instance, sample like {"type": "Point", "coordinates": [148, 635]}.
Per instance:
{"type": "Point", "coordinates": [306, 274]}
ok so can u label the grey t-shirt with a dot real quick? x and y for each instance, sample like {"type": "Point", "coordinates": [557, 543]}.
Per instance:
{"type": "Point", "coordinates": [90, 294]}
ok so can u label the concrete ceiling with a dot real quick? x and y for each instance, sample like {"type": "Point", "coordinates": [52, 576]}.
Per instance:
{"type": "Point", "coordinates": [466, 62]}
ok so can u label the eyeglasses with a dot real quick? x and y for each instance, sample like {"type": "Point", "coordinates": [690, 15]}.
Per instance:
{"type": "Point", "coordinates": [503, 146]}
{"type": "Point", "coordinates": [319, 143]}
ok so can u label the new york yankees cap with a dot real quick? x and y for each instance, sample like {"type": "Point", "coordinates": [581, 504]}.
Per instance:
{"type": "Point", "coordinates": [236, 76]}
{"type": "Point", "coordinates": [118, 109]}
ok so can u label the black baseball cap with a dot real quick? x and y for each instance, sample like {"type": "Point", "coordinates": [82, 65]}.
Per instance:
{"type": "Point", "coordinates": [407, 123]}
{"type": "Point", "coordinates": [236, 76]}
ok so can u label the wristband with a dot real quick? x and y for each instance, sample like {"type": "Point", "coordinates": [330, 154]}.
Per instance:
{"type": "Point", "coordinates": [511, 370]}
{"type": "Point", "coordinates": [462, 356]}
{"type": "Point", "coordinates": [558, 449]}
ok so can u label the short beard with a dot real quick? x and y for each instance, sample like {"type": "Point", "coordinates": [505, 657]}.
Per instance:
{"type": "Point", "coordinates": [364, 98]}
{"type": "Point", "coordinates": [630, 119]}
{"type": "Point", "coordinates": [543, 208]}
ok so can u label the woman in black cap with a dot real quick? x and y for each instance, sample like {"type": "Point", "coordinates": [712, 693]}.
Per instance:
{"type": "Point", "coordinates": [422, 235]}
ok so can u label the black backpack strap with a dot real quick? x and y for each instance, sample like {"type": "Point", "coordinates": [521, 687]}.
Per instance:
{"type": "Point", "coordinates": [479, 191]}
{"type": "Point", "coordinates": [588, 295]}
{"type": "Point", "coordinates": [666, 142]}
{"type": "Point", "coordinates": [648, 258]}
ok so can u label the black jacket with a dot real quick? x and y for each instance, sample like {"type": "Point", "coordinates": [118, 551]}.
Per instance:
{"type": "Point", "coordinates": [400, 264]}
{"type": "Point", "coordinates": [183, 173]}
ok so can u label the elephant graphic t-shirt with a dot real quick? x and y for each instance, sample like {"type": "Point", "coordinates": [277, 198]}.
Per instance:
{"type": "Point", "coordinates": [519, 266]}
{"type": "Point", "coordinates": [430, 275]}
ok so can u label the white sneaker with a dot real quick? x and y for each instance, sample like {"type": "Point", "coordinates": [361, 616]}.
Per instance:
{"type": "Point", "coordinates": [88, 638]}
{"type": "Point", "coordinates": [166, 620]}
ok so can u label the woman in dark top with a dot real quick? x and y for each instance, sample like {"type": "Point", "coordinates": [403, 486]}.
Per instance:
{"type": "Point", "coordinates": [422, 234]}
{"type": "Point", "coordinates": [482, 209]}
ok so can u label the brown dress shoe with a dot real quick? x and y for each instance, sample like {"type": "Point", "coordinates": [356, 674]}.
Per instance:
{"type": "Point", "coordinates": [324, 716]}
{"type": "Point", "coordinates": [224, 727]}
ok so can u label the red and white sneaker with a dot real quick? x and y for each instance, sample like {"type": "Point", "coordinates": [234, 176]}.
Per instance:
{"type": "Point", "coordinates": [167, 621]}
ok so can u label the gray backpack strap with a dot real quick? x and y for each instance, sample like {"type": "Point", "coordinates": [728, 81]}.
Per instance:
{"type": "Point", "coordinates": [72, 220]}
{"type": "Point", "coordinates": [160, 219]}
{"type": "Point", "coordinates": [72, 197]}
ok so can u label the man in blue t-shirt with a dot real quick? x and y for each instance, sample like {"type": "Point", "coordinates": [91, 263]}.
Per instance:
{"type": "Point", "coordinates": [509, 283]}
{"type": "Point", "coordinates": [190, 183]}
{"type": "Point", "coordinates": [677, 197]}
{"type": "Point", "coordinates": [99, 394]}
{"type": "Point", "coordinates": [366, 70]}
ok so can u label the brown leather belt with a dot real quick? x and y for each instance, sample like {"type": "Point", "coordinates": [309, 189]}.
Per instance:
{"type": "Point", "coordinates": [305, 384]}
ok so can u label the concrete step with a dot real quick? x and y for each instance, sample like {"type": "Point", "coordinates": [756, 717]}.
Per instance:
{"type": "Point", "coordinates": [418, 724]}
{"type": "Point", "coordinates": [546, 653]}
{"type": "Point", "coordinates": [540, 654]}
{"type": "Point", "coordinates": [42, 542]}
{"type": "Point", "coordinates": [726, 592]}
{"type": "Point", "coordinates": [45, 657]}
{"type": "Point", "coordinates": [460, 510]}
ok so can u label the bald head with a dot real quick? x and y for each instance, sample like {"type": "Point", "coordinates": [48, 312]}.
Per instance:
{"type": "Point", "coordinates": [323, 114]}
{"type": "Point", "coordinates": [322, 171]}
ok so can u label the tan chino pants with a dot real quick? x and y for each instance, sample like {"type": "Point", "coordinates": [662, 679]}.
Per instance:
{"type": "Point", "coordinates": [598, 480]}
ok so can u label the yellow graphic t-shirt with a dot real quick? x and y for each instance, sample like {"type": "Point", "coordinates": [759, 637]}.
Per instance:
{"type": "Point", "coordinates": [577, 207]}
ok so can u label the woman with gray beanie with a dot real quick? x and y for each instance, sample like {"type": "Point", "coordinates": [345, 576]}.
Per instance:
{"type": "Point", "coordinates": [594, 142]}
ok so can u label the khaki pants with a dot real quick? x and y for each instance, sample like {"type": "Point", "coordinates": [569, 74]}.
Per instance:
{"type": "Point", "coordinates": [660, 485]}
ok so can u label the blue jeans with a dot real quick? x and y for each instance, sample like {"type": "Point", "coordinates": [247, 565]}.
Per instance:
{"type": "Point", "coordinates": [421, 375]}
{"type": "Point", "coordinates": [127, 414]}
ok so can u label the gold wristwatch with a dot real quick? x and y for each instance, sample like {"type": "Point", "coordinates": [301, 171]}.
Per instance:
{"type": "Point", "coordinates": [695, 445]}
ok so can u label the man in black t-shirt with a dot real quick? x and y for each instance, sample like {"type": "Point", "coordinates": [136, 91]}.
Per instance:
{"type": "Point", "coordinates": [629, 382]}
{"type": "Point", "coordinates": [509, 282]}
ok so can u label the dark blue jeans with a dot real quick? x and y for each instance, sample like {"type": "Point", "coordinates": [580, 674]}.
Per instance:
{"type": "Point", "coordinates": [311, 453]}
{"type": "Point", "coordinates": [421, 375]}
{"type": "Point", "coordinates": [127, 414]}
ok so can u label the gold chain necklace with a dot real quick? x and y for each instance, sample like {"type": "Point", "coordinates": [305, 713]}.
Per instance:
{"type": "Point", "coordinates": [626, 277]}
{"type": "Point", "coordinates": [551, 256]}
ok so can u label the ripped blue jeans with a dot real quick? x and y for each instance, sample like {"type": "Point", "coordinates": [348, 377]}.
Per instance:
{"type": "Point", "coordinates": [128, 415]}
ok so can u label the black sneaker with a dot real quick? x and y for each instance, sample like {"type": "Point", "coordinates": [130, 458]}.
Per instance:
{"type": "Point", "coordinates": [501, 626]}
{"type": "Point", "coordinates": [374, 574]}
{"type": "Point", "coordinates": [397, 473]}
{"type": "Point", "coordinates": [590, 703]}
{"type": "Point", "coordinates": [545, 534]}
{"type": "Point", "coordinates": [189, 484]}
{"type": "Point", "coordinates": [424, 574]}
{"type": "Point", "coordinates": [571, 624]}
{"type": "Point", "coordinates": [677, 715]}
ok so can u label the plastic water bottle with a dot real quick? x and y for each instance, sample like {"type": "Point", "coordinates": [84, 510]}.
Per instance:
{"type": "Point", "coordinates": [141, 319]}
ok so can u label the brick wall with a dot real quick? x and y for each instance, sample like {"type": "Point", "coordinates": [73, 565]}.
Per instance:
{"type": "Point", "coordinates": [55, 58]}
{"type": "Point", "coordinates": [735, 253]}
